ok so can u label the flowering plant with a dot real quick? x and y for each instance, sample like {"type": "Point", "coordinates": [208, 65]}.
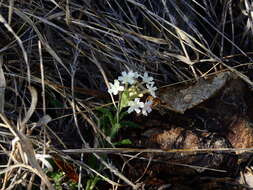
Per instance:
{"type": "Point", "coordinates": [130, 87]}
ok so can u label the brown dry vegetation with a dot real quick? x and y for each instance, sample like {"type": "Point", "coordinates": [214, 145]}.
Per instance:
{"type": "Point", "coordinates": [56, 59]}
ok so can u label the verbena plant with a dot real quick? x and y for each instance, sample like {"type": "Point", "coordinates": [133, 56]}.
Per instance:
{"type": "Point", "coordinates": [129, 87]}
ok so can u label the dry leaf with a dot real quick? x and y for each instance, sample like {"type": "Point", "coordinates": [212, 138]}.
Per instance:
{"type": "Point", "coordinates": [180, 99]}
{"type": "Point", "coordinates": [240, 134]}
{"type": "Point", "coordinates": [67, 168]}
{"type": "Point", "coordinates": [179, 138]}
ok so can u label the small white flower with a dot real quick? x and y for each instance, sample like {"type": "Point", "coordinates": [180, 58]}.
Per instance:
{"type": "Point", "coordinates": [151, 88]}
{"type": "Point", "coordinates": [115, 88]}
{"type": "Point", "coordinates": [151, 83]}
{"type": "Point", "coordinates": [147, 79]}
{"type": "Point", "coordinates": [147, 107]}
{"type": "Point", "coordinates": [128, 77]}
{"type": "Point", "coordinates": [135, 105]}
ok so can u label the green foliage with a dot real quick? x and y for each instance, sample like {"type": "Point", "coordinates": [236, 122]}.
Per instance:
{"type": "Point", "coordinates": [129, 124]}
{"type": "Point", "coordinates": [110, 124]}
{"type": "Point", "coordinates": [123, 142]}
{"type": "Point", "coordinates": [57, 178]}
{"type": "Point", "coordinates": [91, 183]}
{"type": "Point", "coordinates": [124, 100]}
{"type": "Point", "coordinates": [54, 102]}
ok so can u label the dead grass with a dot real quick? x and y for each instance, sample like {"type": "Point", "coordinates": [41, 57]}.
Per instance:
{"type": "Point", "coordinates": [58, 56]}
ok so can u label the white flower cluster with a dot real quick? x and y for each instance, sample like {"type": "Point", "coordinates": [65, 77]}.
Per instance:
{"type": "Point", "coordinates": [133, 88]}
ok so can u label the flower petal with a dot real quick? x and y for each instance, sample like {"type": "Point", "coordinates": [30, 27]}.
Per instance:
{"type": "Point", "coordinates": [115, 88]}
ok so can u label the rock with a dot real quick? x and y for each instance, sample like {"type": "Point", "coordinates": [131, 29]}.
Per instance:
{"type": "Point", "coordinates": [240, 134]}
{"type": "Point", "coordinates": [182, 139]}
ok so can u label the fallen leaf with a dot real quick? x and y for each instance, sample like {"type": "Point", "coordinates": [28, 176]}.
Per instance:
{"type": "Point", "coordinates": [66, 167]}
{"type": "Point", "coordinates": [180, 99]}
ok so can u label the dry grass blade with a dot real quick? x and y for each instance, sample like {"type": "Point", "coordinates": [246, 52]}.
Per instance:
{"type": "Point", "coordinates": [8, 27]}
{"type": "Point", "coordinates": [10, 11]}
{"type": "Point", "coordinates": [42, 78]}
{"type": "Point", "coordinates": [53, 1]}
{"type": "Point", "coordinates": [19, 166]}
{"type": "Point", "coordinates": [104, 76]}
{"type": "Point", "coordinates": [247, 12]}
{"type": "Point", "coordinates": [25, 142]}
{"type": "Point", "coordinates": [27, 148]}
{"type": "Point", "coordinates": [31, 108]}
{"type": "Point", "coordinates": [148, 150]}
{"type": "Point", "coordinates": [67, 13]}
{"type": "Point", "coordinates": [43, 41]}
{"type": "Point", "coordinates": [219, 32]}
{"type": "Point", "coordinates": [183, 38]}
{"type": "Point", "coordinates": [2, 85]}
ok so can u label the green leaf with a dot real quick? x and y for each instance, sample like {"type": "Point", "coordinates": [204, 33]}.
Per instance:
{"type": "Point", "coordinates": [54, 102]}
{"type": "Point", "coordinates": [106, 114]}
{"type": "Point", "coordinates": [122, 114]}
{"type": "Point", "coordinates": [123, 142]}
{"type": "Point", "coordinates": [103, 110]}
{"type": "Point", "coordinates": [91, 183]}
{"type": "Point", "coordinates": [124, 99]}
{"type": "Point", "coordinates": [129, 124]}
{"type": "Point", "coordinates": [115, 129]}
